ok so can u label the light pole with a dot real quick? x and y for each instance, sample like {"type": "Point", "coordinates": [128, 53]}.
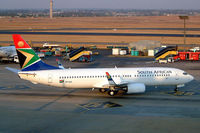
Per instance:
{"type": "Point", "coordinates": [51, 9]}
{"type": "Point", "coordinates": [184, 19]}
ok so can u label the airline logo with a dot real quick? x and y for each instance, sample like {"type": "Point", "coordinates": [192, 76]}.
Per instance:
{"type": "Point", "coordinates": [20, 44]}
{"type": "Point", "coordinates": [27, 57]}
{"type": "Point", "coordinates": [61, 81]}
{"type": "Point", "coordinates": [25, 53]}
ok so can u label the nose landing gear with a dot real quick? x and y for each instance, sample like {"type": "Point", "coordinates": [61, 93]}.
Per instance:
{"type": "Point", "coordinates": [176, 89]}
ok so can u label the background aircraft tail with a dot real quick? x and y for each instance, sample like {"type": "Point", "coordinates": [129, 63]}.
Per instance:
{"type": "Point", "coordinates": [28, 59]}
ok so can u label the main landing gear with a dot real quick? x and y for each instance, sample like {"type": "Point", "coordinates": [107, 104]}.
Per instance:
{"type": "Point", "coordinates": [102, 90]}
{"type": "Point", "coordinates": [111, 91]}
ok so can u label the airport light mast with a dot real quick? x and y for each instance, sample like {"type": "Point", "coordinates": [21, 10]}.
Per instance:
{"type": "Point", "coordinates": [51, 9]}
{"type": "Point", "coordinates": [184, 19]}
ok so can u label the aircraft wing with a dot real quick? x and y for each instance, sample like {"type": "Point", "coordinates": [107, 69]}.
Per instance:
{"type": "Point", "coordinates": [12, 69]}
{"type": "Point", "coordinates": [113, 83]}
{"type": "Point", "coordinates": [117, 85]}
{"type": "Point", "coordinates": [110, 80]}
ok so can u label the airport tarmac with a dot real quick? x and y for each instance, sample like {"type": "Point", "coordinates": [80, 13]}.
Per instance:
{"type": "Point", "coordinates": [25, 107]}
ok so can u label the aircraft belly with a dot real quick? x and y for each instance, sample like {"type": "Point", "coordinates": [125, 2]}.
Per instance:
{"type": "Point", "coordinates": [153, 81]}
{"type": "Point", "coordinates": [79, 84]}
{"type": "Point", "coordinates": [162, 81]}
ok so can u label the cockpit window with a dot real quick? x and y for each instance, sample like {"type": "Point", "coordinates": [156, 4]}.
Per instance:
{"type": "Point", "coordinates": [185, 73]}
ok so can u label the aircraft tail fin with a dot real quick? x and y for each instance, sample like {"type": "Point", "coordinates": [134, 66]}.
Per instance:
{"type": "Point", "coordinates": [28, 59]}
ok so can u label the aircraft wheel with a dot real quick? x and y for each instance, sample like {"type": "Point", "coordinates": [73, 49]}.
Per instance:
{"type": "Point", "coordinates": [176, 89]}
{"type": "Point", "coordinates": [125, 90]}
{"type": "Point", "coordinates": [102, 90]}
{"type": "Point", "coordinates": [112, 93]}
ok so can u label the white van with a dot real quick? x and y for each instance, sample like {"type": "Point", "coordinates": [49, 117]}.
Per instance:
{"type": "Point", "coordinates": [16, 59]}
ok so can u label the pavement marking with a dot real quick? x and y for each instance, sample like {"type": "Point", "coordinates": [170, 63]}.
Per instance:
{"type": "Point", "coordinates": [54, 101]}
{"type": "Point", "coordinates": [15, 87]}
{"type": "Point", "coordinates": [182, 93]}
{"type": "Point", "coordinates": [99, 105]}
{"type": "Point", "coordinates": [49, 103]}
{"type": "Point", "coordinates": [150, 62]}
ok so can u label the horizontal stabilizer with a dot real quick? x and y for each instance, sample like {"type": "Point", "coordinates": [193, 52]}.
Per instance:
{"type": "Point", "coordinates": [12, 69]}
{"type": "Point", "coordinates": [59, 64]}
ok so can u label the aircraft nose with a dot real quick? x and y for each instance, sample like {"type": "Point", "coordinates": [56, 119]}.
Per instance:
{"type": "Point", "coordinates": [191, 77]}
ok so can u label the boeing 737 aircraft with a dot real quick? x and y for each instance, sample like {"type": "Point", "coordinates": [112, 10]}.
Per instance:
{"type": "Point", "coordinates": [130, 80]}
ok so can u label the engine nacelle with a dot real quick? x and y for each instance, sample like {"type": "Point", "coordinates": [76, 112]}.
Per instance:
{"type": "Point", "coordinates": [136, 88]}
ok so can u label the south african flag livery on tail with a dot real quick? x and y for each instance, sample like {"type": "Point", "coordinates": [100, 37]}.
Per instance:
{"type": "Point", "coordinates": [29, 60]}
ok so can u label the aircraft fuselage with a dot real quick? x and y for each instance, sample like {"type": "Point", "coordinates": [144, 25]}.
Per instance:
{"type": "Point", "coordinates": [96, 77]}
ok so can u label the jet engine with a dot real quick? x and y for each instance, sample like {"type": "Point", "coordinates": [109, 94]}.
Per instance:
{"type": "Point", "coordinates": [136, 88]}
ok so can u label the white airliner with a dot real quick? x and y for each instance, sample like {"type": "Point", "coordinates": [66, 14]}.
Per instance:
{"type": "Point", "coordinates": [7, 53]}
{"type": "Point", "coordinates": [129, 80]}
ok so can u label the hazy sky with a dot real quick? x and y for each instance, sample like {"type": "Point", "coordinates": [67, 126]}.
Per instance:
{"type": "Point", "coordinates": [122, 4]}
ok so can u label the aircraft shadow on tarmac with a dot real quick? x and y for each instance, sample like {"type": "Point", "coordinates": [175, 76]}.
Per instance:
{"type": "Point", "coordinates": [97, 95]}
